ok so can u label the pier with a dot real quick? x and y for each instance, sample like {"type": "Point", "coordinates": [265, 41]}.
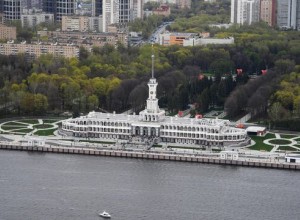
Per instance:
{"type": "Point", "coordinates": [151, 156]}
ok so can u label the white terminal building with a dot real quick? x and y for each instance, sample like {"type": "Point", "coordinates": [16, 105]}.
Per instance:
{"type": "Point", "coordinates": [152, 122]}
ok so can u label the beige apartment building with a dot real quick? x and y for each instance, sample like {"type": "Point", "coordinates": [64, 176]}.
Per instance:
{"type": "Point", "coordinates": [84, 39]}
{"type": "Point", "coordinates": [163, 10]}
{"type": "Point", "coordinates": [179, 3]}
{"type": "Point", "coordinates": [75, 23]}
{"type": "Point", "coordinates": [36, 50]}
{"type": "Point", "coordinates": [268, 11]}
{"type": "Point", "coordinates": [184, 3]}
{"type": "Point", "coordinates": [7, 33]}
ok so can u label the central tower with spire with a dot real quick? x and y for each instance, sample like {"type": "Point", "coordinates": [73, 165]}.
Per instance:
{"type": "Point", "coordinates": [152, 111]}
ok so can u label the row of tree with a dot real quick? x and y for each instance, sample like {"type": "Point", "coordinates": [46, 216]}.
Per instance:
{"type": "Point", "coordinates": [285, 102]}
{"type": "Point", "coordinates": [115, 78]}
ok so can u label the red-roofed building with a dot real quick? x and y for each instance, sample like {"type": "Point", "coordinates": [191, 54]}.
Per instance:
{"type": "Point", "coordinates": [164, 10]}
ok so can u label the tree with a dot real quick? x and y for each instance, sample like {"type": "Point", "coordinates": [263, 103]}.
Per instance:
{"type": "Point", "coordinates": [17, 94]}
{"type": "Point", "coordinates": [204, 101]}
{"type": "Point", "coordinates": [27, 103]}
{"type": "Point", "coordinates": [284, 66]}
{"type": "Point", "coordinates": [275, 111]}
{"type": "Point", "coordinates": [83, 53]}
{"type": "Point", "coordinates": [120, 95]}
{"type": "Point", "coordinates": [286, 98]}
{"type": "Point", "coordinates": [93, 102]}
{"type": "Point", "coordinates": [297, 107]}
{"type": "Point", "coordinates": [183, 97]}
{"type": "Point", "coordinates": [138, 96]}
{"type": "Point", "coordinates": [40, 103]}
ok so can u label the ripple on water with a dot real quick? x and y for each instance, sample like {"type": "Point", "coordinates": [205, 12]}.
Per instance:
{"type": "Point", "coordinates": [54, 186]}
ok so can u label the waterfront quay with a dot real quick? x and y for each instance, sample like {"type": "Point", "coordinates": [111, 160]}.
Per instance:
{"type": "Point", "coordinates": [151, 155]}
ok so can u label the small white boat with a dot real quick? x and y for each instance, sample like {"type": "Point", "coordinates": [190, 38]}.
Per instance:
{"type": "Point", "coordinates": [105, 214]}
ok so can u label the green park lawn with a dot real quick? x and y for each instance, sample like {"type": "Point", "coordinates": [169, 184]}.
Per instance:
{"type": "Point", "coordinates": [23, 131]}
{"type": "Point", "coordinates": [29, 121]}
{"type": "Point", "coordinates": [288, 136]}
{"type": "Point", "coordinates": [7, 128]}
{"type": "Point", "coordinates": [45, 132]}
{"type": "Point", "coordinates": [286, 148]}
{"type": "Point", "coordinates": [50, 121]}
{"type": "Point", "coordinates": [259, 145]}
{"type": "Point", "coordinates": [280, 142]}
{"type": "Point", "coordinates": [13, 123]}
{"type": "Point", "coordinates": [43, 126]}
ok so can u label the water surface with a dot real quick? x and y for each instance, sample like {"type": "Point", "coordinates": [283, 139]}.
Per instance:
{"type": "Point", "coordinates": [40, 186]}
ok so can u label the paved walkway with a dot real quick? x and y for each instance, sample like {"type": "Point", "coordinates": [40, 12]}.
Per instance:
{"type": "Point", "coordinates": [23, 125]}
{"type": "Point", "coordinates": [277, 135]}
{"type": "Point", "coordinates": [276, 147]}
{"type": "Point", "coordinates": [135, 144]}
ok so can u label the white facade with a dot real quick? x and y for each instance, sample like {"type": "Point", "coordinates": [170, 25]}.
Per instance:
{"type": "Point", "coordinates": [33, 17]}
{"type": "Point", "coordinates": [137, 8]}
{"type": "Point", "coordinates": [292, 158]}
{"type": "Point", "coordinates": [229, 155]}
{"type": "Point", "coordinates": [245, 11]}
{"type": "Point", "coordinates": [153, 123]}
{"type": "Point", "coordinates": [288, 14]}
{"type": "Point", "coordinates": [121, 11]}
{"type": "Point", "coordinates": [205, 41]}
{"type": "Point", "coordinates": [110, 13]}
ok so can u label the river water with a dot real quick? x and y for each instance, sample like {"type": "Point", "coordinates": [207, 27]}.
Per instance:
{"type": "Point", "coordinates": [40, 186]}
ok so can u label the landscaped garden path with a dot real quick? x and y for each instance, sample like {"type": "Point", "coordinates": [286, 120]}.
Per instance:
{"type": "Point", "coordinates": [283, 142]}
{"type": "Point", "coordinates": [41, 127]}
{"type": "Point", "coordinates": [271, 142]}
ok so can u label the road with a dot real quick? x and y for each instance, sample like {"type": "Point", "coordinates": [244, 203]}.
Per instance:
{"type": "Point", "coordinates": [154, 38]}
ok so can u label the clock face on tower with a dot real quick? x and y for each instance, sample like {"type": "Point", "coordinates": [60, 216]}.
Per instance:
{"type": "Point", "coordinates": [151, 92]}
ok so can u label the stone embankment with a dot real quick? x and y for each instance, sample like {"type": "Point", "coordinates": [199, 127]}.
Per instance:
{"type": "Point", "coordinates": [151, 156]}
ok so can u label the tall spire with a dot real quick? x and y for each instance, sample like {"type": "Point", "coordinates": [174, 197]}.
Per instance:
{"type": "Point", "coordinates": [152, 56]}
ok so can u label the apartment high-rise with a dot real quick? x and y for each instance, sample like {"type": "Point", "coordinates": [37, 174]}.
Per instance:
{"type": "Point", "coordinates": [26, 3]}
{"type": "Point", "coordinates": [97, 8]}
{"type": "Point", "coordinates": [12, 9]}
{"type": "Point", "coordinates": [288, 14]}
{"type": "Point", "coordinates": [245, 11]}
{"type": "Point", "coordinates": [124, 11]}
{"type": "Point", "coordinates": [110, 13]}
{"type": "Point", "coordinates": [31, 18]}
{"type": "Point", "coordinates": [294, 14]}
{"type": "Point", "coordinates": [121, 11]}
{"type": "Point", "coordinates": [60, 7]}
{"type": "Point", "coordinates": [268, 11]}
{"type": "Point", "coordinates": [137, 8]}
{"type": "Point", "coordinates": [1, 6]}
{"type": "Point", "coordinates": [29, 4]}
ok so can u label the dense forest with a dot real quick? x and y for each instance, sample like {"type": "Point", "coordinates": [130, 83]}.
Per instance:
{"type": "Point", "coordinates": [115, 79]}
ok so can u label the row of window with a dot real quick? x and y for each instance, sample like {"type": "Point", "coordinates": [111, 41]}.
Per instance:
{"type": "Point", "coordinates": [203, 136]}
{"type": "Point", "coordinates": [186, 128]}
{"type": "Point", "coordinates": [102, 123]}
{"type": "Point", "coordinates": [164, 128]}
{"type": "Point", "coordinates": [94, 129]}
